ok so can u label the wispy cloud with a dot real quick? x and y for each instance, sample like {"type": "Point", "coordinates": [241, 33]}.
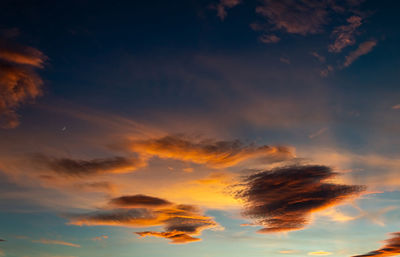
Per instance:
{"type": "Point", "coordinates": [297, 17]}
{"type": "Point", "coordinates": [100, 238]}
{"type": "Point", "coordinates": [396, 107]}
{"type": "Point", "coordinates": [269, 38]}
{"type": "Point", "coordinates": [363, 49]}
{"type": "Point", "coordinates": [223, 5]}
{"type": "Point", "coordinates": [319, 253]}
{"type": "Point", "coordinates": [19, 83]}
{"type": "Point", "coordinates": [391, 248]}
{"type": "Point", "coordinates": [80, 168]}
{"type": "Point", "coordinates": [282, 199]}
{"type": "Point", "coordinates": [215, 154]}
{"type": "Point", "coordinates": [345, 34]}
{"type": "Point", "coordinates": [55, 242]}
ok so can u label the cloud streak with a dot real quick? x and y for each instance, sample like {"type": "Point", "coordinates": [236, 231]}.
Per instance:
{"type": "Point", "coordinates": [214, 154]}
{"type": "Point", "coordinates": [56, 242]}
{"type": "Point", "coordinates": [81, 168]}
{"type": "Point", "coordinates": [391, 248]}
{"type": "Point", "coordinates": [363, 49]}
{"type": "Point", "coordinates": [19, 83]}
{"type": "Point", "coordinates": [283, 199]}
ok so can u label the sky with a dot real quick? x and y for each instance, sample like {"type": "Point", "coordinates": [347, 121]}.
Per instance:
{"type": "Point", "coordinates": [199, 128]}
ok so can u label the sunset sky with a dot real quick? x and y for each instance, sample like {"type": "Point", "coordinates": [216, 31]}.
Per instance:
{"type": "Point", "coordinates": [199, 128]}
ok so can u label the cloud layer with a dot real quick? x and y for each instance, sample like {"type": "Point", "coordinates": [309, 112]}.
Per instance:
{"type": "Point", "coordinates": [19, 83]}
{"type": "Point", "coordinates": [391, 248]}
{"type": "Point", "coordinates": [282, 199]}
{"type": "Point", "coordinates": [180, 222]}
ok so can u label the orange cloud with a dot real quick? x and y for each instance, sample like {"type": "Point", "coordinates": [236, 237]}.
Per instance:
{"type": "Point", "coordinates": [55, 242]}
{"type": "Point", "coordinates": [100, 238]}
{"type": "Point", "coordinates": [282, 199]}
{"type": "Point", "coordinates": [391, 248]}
{"type": "Point", "coordinates": [181, 222]}
{"type": "Point", "coordinates": [319, 253]}
{"type": "Point", "coordinates": [19, 83]}
{"type": "Point", "coordinates": [215, 154]}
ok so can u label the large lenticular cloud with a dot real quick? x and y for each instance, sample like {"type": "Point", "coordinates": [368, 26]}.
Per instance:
{"type": "Point", "coordinates": [282, 199]}
{"type": "Point", "coordinates": [19, 83]}
{"type": "Point", "coordinates": [391, 248]}
{"type": "Point", "coordinates": [180, 222]}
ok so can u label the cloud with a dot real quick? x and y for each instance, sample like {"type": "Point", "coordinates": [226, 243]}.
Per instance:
{"type": "Point", "coordinates": [319, 57]}
{"type": "Point", "coordinates": [298, 17]}
{"type": "Point", "coordinates": [325, 72]}
{"type": "Point", "coordinates": [284, 60]}
{"type": "Point", "coordinates": [19, 83]}
{"type": "Point", "coordinates": [55, 242]}
{"type": "Point", "coordinates": [214, 154]}
{"type": "Point", "coordinates": [2, 240]}
{"type": "Point", "coordinates": [180, 222]}
{"type": "Point", "coordinates": [223, 5]}
{"type": "Point", "coordinates": [283, 199]}
{"type": "Point", "coordinates": [345, 34]}
{"type": "Point", "coordinates": [319, 253]}
{"type": "Point", "coordinates": [80, 168]}
{"type": "Point", "coordinates": [138, 201]}
{"type": "Point", "coordinates": [318, 133]}
{"type": "Point", "coordinates": [363, 49]}
{"type": "Point", "coordinates": [396, 107]}
{"type": "Point", "coordinates": [100, 186]}
{"type": "Point", "coordinates": [100, 238]}
{"type": "Point", "coordinates": [268, 39]}
{"type": "Point", "coordinates": [391, 248]}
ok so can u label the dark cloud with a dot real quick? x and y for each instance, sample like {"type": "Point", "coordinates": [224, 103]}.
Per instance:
{"type": "Point", "coordinates": [223, 5]}
{"type": "Point", "coordinates": [345, 34]}
{"type": "Point", "coordinates": [138, 201]}
{"type": "Point", "coordinates": [19, 83]}
{"type": "Point", "coordinates": [282, 199]}
{"type": "Point", "coordinates": [180, 222]}
{"type": "Point", "coordinates": [101, 186]}
{"type": "Point", "coordinates": [2, 240]}
{"type": "Point", "coordinates": [215, 154]}
{"type": "Point", "coordinates": [297, 17]}
{"type": "Point", "coordinates": [391, 248]}
{"type": "Point", "coordinates": [80, 168]}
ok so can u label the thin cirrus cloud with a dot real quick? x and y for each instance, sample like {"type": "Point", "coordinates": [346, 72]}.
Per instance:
{"type": "Point", "coordinates": [319, 253]}
{"type": "Point", "coordinates": [211, 153]}
{"type": "Point", "coordinates": [391, 248]}
{"type": "Point", "coordinates": [180, 222]}
{"type": "Point", "coordinates": [81, 168]}
{"type": "Point", "coordinates": [55, 242]}
{"type": "Point", "coordinates": [19, 82]}
{"type": "Point", "coordinates": [363, 49]}
{"type": "Point", "coordinates": [283, 199]}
